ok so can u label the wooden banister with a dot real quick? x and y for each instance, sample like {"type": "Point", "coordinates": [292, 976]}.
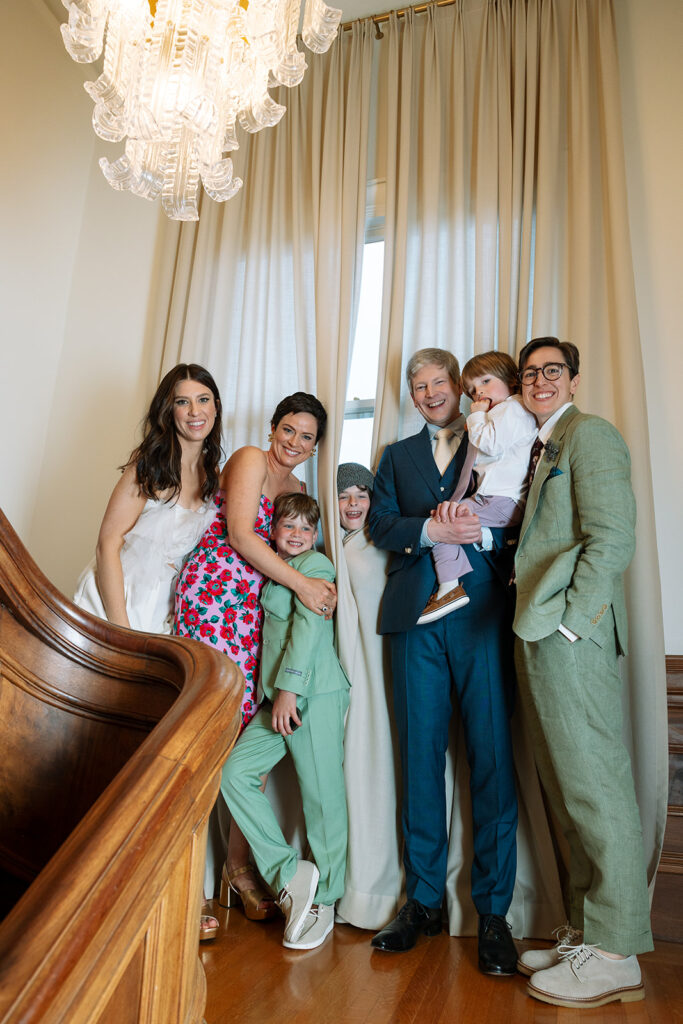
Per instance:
{"type": "Point", "coordinates": [112, 742]}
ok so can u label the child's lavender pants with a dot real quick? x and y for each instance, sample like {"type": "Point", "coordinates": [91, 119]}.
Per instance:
{"type": "Point", "coordinates": [450, 561]}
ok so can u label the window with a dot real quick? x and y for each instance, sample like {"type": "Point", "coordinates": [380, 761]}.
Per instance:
{"type": "Point", "coordinates": [359, 413]}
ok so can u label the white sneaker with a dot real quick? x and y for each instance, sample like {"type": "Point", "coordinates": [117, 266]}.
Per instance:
{"type": "Point", "coordinates": [317, 926]}
{"type": "Point", "coordinates": [541, 959]}
{"type": "Point", "coordinates": [586, 978]}
{"type": "Point", "coordinates": [296, 897]}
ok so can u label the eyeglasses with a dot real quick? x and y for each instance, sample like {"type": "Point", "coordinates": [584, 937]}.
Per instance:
{"type": "Point", "coordinates": [551, 371]}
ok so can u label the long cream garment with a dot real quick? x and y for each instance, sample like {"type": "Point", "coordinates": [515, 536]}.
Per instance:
{"type": "Point", "coordinates": [374, 886]}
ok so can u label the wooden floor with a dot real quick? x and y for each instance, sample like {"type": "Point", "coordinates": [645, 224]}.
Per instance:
{"type": "Point", "coordinates": [252, 979]}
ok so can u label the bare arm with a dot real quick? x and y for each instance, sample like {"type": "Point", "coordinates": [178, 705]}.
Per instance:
{"type": "Point", "coordinates": [125, 505]}
{"type": "Point", "coordinates": [243, 479]}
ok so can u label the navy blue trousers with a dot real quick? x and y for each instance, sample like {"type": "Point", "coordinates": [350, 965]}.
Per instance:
{"type": "Point", "coordinates": [464, 658]}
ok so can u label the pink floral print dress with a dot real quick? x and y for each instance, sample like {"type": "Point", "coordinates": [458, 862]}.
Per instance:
{"type": "Point", "coordinates": [217, 598]}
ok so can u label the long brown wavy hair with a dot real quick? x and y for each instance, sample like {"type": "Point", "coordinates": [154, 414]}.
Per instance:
{"type": "Point", "coordinates": [157, 458]}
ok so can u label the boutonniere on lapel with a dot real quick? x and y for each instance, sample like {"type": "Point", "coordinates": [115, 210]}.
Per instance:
{"type": "Point", "coordinates": [551, 453]}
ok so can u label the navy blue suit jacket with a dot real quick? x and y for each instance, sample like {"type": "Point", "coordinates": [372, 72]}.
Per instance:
{"type": "Point", "coordinates": [407, 487]}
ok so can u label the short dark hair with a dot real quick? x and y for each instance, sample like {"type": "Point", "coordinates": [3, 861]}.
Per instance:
{"type": "Point", "coordinates": [570, 352]}
{"type": "Point", "coordinates": [497, 364]}
{"type": "Point", "coordinates": [300, 401]}
{"type": "Point", "coordinates": [293, 504]}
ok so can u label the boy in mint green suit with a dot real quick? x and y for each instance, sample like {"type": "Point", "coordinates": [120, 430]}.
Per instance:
{"type": "Point", "coordinates": [305, 695]}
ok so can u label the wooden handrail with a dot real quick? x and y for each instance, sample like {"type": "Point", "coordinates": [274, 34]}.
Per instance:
{"type": "Point", "coordinates": [115, 741]}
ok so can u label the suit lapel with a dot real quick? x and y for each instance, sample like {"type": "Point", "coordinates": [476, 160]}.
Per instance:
{"type": "Point", "coordinates": [419, 448]}
{"type": "Point", "coordinates": [544, 467]}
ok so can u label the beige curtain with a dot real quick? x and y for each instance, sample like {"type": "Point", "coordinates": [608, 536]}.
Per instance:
{"type": "Point", "coordinates": [499, 137]}
{"type": "Point", "coordinates": [263, 291]}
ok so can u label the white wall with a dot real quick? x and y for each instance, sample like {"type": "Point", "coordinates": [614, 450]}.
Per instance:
{"type": "Point", "coordinates": [77, 274]}
{"type": "Point", "coordinates": [43, 176]}
{"type": "Point", "coordinates": [650, 37]}
{"type": "Point", "coordinates": [77, 365]}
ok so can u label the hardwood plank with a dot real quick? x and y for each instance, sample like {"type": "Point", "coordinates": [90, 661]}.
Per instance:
{"type": "Point", "coordinates": [253, 979]}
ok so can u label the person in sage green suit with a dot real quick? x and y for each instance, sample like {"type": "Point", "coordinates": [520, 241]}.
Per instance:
{"type": "Point", "coordinates": [577, 538]}
{"type": "Point", "coordinates": [305, 699]}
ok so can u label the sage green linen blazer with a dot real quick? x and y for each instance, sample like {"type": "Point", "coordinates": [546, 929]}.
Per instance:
{"type": "Point", "coordinates": [297, 651]}
{"type": "Point", "coordinates": [578, 533]}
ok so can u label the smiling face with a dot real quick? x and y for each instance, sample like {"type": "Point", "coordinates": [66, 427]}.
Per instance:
{"type": "Point", "coordinates": [488, 386]}
{"type": "Point", "coordinates": [354, 505]}
{"type": "Point", "coordinates": [545, 397]}
{"type": "Point", "coordinates": [435, 396]}
{"type": "Point", "coordinates": [294, 438]}
{"type": "Point", "coordinates": [292, 535]}
{"type": "Point", "coordinates": [194, 410]}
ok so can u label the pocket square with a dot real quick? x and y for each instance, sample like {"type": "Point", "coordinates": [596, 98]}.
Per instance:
{"type": "Point", "coordinates": [554, 472]}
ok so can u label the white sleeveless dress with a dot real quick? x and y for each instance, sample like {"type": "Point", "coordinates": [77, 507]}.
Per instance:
{"type": "Point", "coordinates": [152, 555]}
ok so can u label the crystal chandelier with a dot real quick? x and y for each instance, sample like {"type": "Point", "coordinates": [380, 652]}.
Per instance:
{"type": "Point", "coordinates": [178, 78]}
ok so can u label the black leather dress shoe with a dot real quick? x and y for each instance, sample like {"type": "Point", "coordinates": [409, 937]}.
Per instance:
{"type": "Point", "coordinates": [411, 921]}
{"type": "Point", "coordinates": [497, 953]}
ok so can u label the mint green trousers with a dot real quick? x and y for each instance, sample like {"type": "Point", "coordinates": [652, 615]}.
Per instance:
{"type": "Point", "coordinates": [571, 697]}
{"type": "Point", "coordinates": [317, 750]}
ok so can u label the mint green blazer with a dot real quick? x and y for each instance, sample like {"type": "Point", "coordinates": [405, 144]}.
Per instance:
{"type": "Point", "coordinates": [297, 652]}
{"type": "Point", "coordinates": [578, 533]}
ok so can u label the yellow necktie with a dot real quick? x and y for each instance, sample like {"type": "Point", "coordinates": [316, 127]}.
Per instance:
{"type": "Point", "coordinates": [443, 453]}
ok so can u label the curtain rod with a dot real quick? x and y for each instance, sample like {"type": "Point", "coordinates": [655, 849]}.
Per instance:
{"type": "Point", "coordinates": [378, 19]}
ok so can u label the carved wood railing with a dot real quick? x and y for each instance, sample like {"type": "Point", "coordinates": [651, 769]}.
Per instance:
{"type": "Point", "coordinates": [112, 743]}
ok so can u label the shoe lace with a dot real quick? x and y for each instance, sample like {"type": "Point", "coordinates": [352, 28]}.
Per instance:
{"type": "Point", "coordinates": [410, 910]}
{"type": "Point", "coordinates": [576, 956]}
{"type": "Point", "coordinates": [567, 936]}
{"type": "Point", "coordinates": [494, 926]}
{"type": "Point", "coordinates": [283, 894]}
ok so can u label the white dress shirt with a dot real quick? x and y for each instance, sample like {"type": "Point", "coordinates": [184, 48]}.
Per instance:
{"type": "Point", "coordinates": [503, 436]}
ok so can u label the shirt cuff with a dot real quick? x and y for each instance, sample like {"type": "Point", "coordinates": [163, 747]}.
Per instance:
{"type": "Point", "coordinates": [570, 634]}
{"type": "Point", "coordinates": [486, 543]}
{"type": "Point", "coordinates": [425, 540]}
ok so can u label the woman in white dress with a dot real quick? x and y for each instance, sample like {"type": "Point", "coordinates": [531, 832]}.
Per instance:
{"type": "Point", "coordinates": [158, 511]}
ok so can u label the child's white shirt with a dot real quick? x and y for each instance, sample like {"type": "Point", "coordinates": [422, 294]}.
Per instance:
{"type": "Point", "coordinates": [503, 436]}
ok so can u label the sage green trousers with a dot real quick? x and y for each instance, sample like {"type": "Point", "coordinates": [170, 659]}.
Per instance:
{"type": "Point", "coordinates": [571, 696]}
{"type": "Point", "coordinates": [317, 750]}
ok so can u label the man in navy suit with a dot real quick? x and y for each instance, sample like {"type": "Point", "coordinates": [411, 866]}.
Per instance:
{"type": "Point", "coordinates": [466, 655]}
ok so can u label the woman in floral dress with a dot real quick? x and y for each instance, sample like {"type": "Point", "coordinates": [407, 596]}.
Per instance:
{"type": "Point", "coordinates": [217, 596]}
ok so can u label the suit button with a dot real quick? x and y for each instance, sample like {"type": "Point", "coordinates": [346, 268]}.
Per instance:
{"type": "Point", "coordinates": [442, 488]}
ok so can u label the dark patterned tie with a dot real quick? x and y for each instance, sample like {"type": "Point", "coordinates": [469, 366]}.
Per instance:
{"type": "Point", "coordinates": [534, 456]}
